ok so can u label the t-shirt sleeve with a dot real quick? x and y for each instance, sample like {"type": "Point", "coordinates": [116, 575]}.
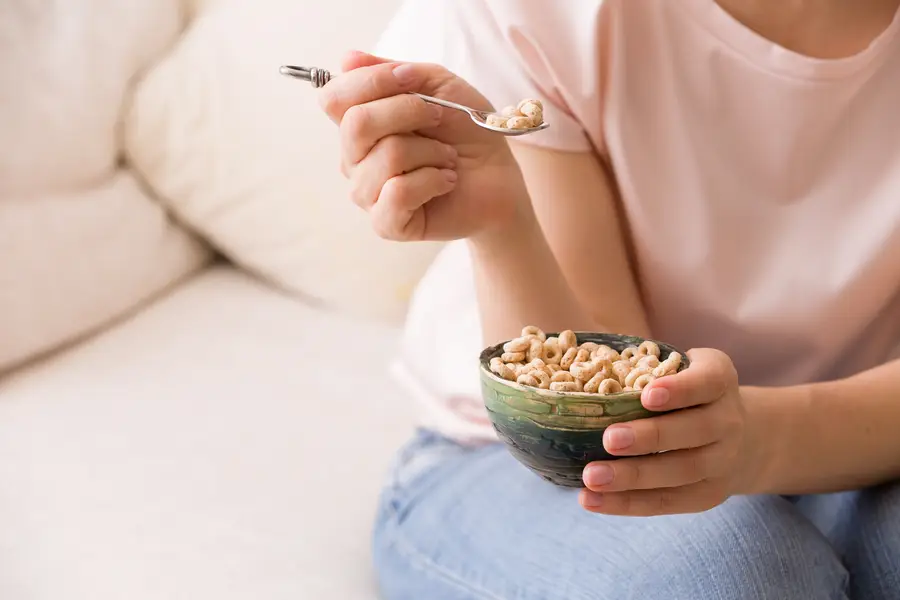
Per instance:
{"type": "Point", "coordinates": [511, 50]}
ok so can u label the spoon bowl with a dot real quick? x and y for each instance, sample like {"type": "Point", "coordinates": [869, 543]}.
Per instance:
{"type": "Point", "coordinates": [480, 117]}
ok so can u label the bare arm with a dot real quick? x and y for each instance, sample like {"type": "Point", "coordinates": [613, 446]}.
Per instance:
{"type": "Point", "coordinates": [573, 198]}
{"type": "Point", "coordinates": [562, 263]}
{"type": "Point", "coordinates": [830, 436]}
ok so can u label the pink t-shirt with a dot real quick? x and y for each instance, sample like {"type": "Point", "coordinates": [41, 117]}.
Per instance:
{"type": "Point", "coordinates": [761, 187]}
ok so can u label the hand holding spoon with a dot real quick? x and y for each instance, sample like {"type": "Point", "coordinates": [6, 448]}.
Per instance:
{"type": "Point", "coordinates": [320, 77]}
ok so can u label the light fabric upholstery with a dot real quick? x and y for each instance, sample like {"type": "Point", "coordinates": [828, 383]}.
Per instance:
{"type": "Point", "coordinates": [81, 242]}
{"type": "Point", "coordinates": [168, 429]}
{"type": "Point", "coordinates": [222, 444]}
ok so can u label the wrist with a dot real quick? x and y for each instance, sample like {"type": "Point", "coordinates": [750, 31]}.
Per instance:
{"type": "Point", "coordinates": [517, 224]}
{"type": "Point", "coordinates": [774, 426]}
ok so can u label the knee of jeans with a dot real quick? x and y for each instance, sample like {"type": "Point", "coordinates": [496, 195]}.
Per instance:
{"type": "Point", "coordinates": [750, 547]}
{"type": "Point", "coordinates": [872, 543]}
{"type": "Point", "coordinates": [882, 511]}
{"type": "Point", "coordinates": [876, 523]}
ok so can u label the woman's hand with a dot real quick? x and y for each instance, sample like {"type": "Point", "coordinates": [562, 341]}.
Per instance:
{"type": "Point", "coordinates": [708, 449]}
{"type": "Point", "coordinates": [421, 171]}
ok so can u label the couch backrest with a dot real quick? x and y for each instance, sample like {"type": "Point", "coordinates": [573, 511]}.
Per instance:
{"type": "Point", "coordinates": [138, 137]}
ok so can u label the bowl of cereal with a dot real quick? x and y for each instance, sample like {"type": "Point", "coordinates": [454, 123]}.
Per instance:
{"type": "Point", "coordinates": [551, 396]}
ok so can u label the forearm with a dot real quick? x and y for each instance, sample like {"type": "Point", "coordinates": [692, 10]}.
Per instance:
{"type": "Point", "coordinates": [828, 437]}
{"type": "Point", "coordinates": [519, 282]}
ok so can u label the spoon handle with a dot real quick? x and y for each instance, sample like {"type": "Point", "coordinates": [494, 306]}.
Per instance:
{"type": "Point", "coordinates": [319, 77]}
{"type": "Point", "coordinates": [446, 103]}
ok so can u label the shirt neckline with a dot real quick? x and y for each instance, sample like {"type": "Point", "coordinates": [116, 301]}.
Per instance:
{"type": "Point", "coordinates": [776, 58]}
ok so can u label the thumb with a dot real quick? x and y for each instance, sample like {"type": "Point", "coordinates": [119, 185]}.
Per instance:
{"type": "Point", "coordinates": [356, 60]}
{"type": "Point", "coordinates": [709, 376]}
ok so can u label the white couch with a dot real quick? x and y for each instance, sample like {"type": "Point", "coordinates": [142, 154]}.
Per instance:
{"type": "Point", "coordinates": [194, 322]}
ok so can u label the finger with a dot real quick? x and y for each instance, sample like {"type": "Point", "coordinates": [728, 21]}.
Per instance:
{"type": "Point", "coordinates": [668, 470]}
{"type": "Point", "coordinates": [364, 124]}
{"type": "Point", "coordinates": [697, 497]}
{"type": "Point", "coordinates": [398, 214]}
{"type": "Point", "coordinates": [396, 155]}
{"type": "Point", "coordinates": [708, 377]}
{"type": "Point", "coordinates": [679, 430]}
{"type": "Point", "coordinates": [356, 59]}
{"type": "Point", "coordinates": [370, 83]}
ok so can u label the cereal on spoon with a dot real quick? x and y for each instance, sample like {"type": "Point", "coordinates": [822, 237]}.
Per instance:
{"type": "Point", "coordinates": [527, 114]}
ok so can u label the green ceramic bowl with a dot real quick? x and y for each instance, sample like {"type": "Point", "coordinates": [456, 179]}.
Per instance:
{"type": "Point", "coordinates": [556, 434]}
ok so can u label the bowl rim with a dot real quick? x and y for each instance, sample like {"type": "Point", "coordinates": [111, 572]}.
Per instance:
{"type": "Point", "coordinates": [484, 366]}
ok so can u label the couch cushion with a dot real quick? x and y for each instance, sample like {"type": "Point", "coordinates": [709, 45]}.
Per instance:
{"type": "Point", "coordinates": [228, 442]}
{"type": "Point", "coordinates": [73, 262]}
{"type": "Point", "coordinates": [81, 242]}
{"type": "Point", "coordinates": [247, 158]}
{"type": "Point", "coordinates": [65, 71]}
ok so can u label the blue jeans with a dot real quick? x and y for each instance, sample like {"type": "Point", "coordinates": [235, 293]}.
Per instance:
{"type": "Point", "coordinates": [457, 523]}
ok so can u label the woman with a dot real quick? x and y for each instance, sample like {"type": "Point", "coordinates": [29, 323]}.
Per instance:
{"type": "Point", "coordinates": [724, 176]}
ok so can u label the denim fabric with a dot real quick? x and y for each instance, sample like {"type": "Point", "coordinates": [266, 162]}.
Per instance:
{"type": "Point", "coordinates": [458, 523]}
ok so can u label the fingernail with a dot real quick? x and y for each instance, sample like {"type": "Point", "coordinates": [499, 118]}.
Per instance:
{"type": "Point", "coordinates": [451, 176]}
{"type": "Point", "coordinates": [598, 475]}
{"type": "Point", "coordinates": [656, 397]}
{"type": "Point", "coordinates": [405, 73]}
{"type": "Point", "coordinates": [618, 438]}
{"type": "Point", "coordinates": [436, 111]}
{"type": "Point", "coordinates": [592, 500]}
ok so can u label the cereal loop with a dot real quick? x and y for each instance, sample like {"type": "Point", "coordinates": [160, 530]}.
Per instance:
{"type": "Point", "coordinates": [521, 369]}
{"type": "Point", "coordinates": [513, 357]}
{"type": "Point", "coordinates": [527, 379]}
{"type": "Point", "coordinates": [604, 368]}
{"type": "Point", "coordinates": [554, 368]}
{"type": "Point", "coordinates": [552, 353]}
{"type": "Point", "coordinates": [621, 369]}
{"type": "Point", "coordinates": [629, 353]}
{"type": "Point", "coordinates": [605, 353]}
{"type": "Point", "coordinates": [539, 365]}
{"type": "Point", "coordinates": [642, 381]}
{"type": "Point", "coordinates": [661, 371]}
{"type": "Point", "coordinates": [674, 361]}
{"type": "Point", "coordinates": [583, 370]}
{"type": "Point", "coordinates": [649, 348]}
{"type": "Point", "coordinates": [591, 347]}
{"type": "Point", "coordinates": [562, 376]}
{"type": "Point", "coordinates": [502, 370]}
{"type": "Point", "coordinates": [522, 104]}
{"type": "Point", "coordinates": [564, 386]}
{"type": "Point", "coordinates": [535, 349]}
{"type": "Point", "coordinates": [593, 385]}
{"type": "Point", "coordinates": [610, 386]}
{"type": "Point", "coordinates": [535, 331]}
{"type": "Point", "coordinates": [519, 123]}
{"type": "Point", "coordinates": [567, 340]}
{"type": "Point", "coordinates": [517, 345]}
{"type": "Point", "coordinates": [543, 378]}
{"type": "Point", "coordinates": [568, 358]}
{"type": "Point", "coordinates": [495, 120]}
{"type": "Point", "coordinates": [635, 373]}
{"type": "Point", "coordinates": [649, 361]}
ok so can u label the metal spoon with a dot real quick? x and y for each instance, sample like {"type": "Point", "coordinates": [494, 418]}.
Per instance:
{"type": "Point", "coordinates": [320, 77]}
